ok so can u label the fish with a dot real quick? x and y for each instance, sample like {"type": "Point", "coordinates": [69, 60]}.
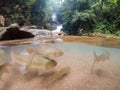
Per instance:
{"type": "Point", "coordinates": [46, 50]}
{"type": "Point", "coordinates": [33, 61]}
{"type": "Point", "coordinates": [36, 57]}
{"type": "Point", "coordinates": [100, 58]}
{"type": "Point", "coordinates": [59, 74]}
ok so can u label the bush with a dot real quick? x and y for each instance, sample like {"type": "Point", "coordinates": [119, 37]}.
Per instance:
{"type": "Point", "coordinates": [117, 33]}
{"type": "Point", "coordinates": [104, 27]}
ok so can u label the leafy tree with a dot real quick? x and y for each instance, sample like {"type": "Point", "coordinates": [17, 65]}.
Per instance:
{"type": "Point", "coordinates": [13, 10]}
{"type": "Point", "coordinates": [77, 16]}
{"type": "Point", "coordinates": [24, 11]}
{"type": "Point", "coordinates": [38, 16]}
{"type": "Point", "coordinates": [91, 15]}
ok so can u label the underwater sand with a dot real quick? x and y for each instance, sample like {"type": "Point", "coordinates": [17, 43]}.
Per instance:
{"type": "Point", "coordinates": [105, 76]}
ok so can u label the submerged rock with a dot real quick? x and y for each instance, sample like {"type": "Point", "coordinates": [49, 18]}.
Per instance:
{"type": "Point", "coordinates": [13, 32]}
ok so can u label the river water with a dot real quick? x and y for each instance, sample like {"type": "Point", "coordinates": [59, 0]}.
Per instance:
{"type": "Point", "coordinates": [80, 59]}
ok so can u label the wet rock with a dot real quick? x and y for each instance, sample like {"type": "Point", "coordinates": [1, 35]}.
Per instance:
{"type": "Point", "coordinates": [41, 33]}
{"type": "Point", "coordinates": [13, 32]}
{"type": "Point", "coordinates": [32, 27]}
{"type": "Point", "coordinates": [26, 28]}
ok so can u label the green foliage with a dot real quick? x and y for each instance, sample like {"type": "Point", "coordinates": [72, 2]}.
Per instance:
{"type": "Point", "coordinates": [28, 11]}
{"type": "Point", "coordinates": [104, 27]}
{"type": "Point", "coordinates": [30, 2]}
{"type": "Point", "coordinates": [117, 33]}
{"type": "Point", "coordinates": [80, 15]}
{"type": "Point", "coordinates": [40, 14]}
{"type": "Point", "coordinates": [77, 15]}
{"type": "Point", "coordinates": [68, 28]}
{"type": "Point", "coordinates": [99, 27]}
{"type": "Point", "coordinates": [83, 16]}
{"type": "Point", "coordinates": [12, 10]}
{"type": "Point", "coordinates": [102, 16]}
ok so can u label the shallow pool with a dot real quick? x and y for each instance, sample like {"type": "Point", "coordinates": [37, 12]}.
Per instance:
{"type": "Point", "coordinates": [83, 74]}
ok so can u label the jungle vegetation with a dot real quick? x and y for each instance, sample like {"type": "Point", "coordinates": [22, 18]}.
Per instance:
{"type": "Point", "coordinates": [88, 16]}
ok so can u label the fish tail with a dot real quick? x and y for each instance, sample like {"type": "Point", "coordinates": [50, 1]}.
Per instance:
{"type": "Point", "coordinates": [94, 61]}
{"type": "Point", "coordinates": [95, 56]}
{"type": "Point", "coordinates": [30, 59]}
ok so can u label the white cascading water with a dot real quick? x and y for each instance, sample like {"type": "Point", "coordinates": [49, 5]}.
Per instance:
{"type": "Point", "coordinates": [54, 17]}
{"type": "Point", "coordinates": [59, 27]}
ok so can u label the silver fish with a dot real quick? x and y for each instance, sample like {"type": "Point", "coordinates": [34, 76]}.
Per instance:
{"type": "Point", "coordinates": [36, 56]}
{"type": "Point", "coordinates": [33, 61]}
{"type": "Point", "coordinates": [46, 50]}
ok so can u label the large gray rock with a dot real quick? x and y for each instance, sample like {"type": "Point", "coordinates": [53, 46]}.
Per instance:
{"type": "Point", "coordinates": [41, 32]}
{"type": "Point", "coordinates": [13, 32]}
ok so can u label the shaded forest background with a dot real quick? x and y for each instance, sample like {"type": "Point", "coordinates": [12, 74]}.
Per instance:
{"type": "Point", "coordinates": [88, 16]}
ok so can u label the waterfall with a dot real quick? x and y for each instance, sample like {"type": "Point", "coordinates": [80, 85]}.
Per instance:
{"type": "Point", "coordinates": [58, 29]}
{"type": "Point", "coordinates": [54, 17]}
{"type": "Point", "coordinates": [55, 26]}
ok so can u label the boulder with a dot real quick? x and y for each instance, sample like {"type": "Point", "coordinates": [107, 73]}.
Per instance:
{"type": "Point", "coordinates": [13, 32]}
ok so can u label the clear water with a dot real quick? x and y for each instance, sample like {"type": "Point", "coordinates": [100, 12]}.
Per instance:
{"type": "Point", "coordinates": [79, 58]}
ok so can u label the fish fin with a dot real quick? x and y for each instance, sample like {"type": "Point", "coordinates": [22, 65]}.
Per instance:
{"type": "Point", "coordinates": [30, 59]}
{"type": "Point", "coordinates": [95, 56]}
{"type": "Point", "coordinates": [94, 61]}
{"type": "Point", "coordinates": [106, 53]}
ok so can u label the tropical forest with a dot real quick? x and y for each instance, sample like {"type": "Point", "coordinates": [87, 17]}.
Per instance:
{"type": "Point", "coordinates": [59, 44]}
{"type": "Point", "coordinates": [88, 16]}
